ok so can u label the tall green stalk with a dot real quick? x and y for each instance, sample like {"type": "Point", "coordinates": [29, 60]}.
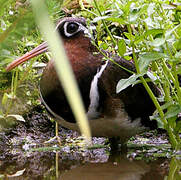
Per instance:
{"type": "Point", "coordinates": [62, 65]}
{"type": "Point", "coordinates": [104, 24]}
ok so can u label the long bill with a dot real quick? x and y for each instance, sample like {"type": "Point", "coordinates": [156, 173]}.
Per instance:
{"type": "Point", "coordinates": [35, 52]}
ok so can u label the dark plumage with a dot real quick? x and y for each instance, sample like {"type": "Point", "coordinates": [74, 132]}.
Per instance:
{"type": "Point", "coordinates": [110, 114]}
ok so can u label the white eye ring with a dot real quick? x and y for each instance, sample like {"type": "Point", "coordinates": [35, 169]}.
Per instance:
{"type": "Point", "coordinates": [80, 28]}
{"type": "Point", "coordinates": [67, 34]}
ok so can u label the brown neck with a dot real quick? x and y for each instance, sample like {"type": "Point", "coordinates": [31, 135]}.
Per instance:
{"type": "Point", "coordinates": [81, 56]}
{"type": "Point", "coordinates": [84, 64]}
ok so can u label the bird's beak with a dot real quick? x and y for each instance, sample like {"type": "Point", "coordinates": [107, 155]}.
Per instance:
{"type": "Point", "coordinates": [35, 52]}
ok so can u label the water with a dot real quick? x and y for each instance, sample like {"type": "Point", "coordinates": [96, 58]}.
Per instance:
{"type": "Point", "coordinates": [92, 165]}
{"type": "Point", "coordinates": [26, 154]}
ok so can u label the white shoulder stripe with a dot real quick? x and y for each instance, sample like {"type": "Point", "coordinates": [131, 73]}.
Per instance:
{"type": "Point", "coordinates": [94, 94]}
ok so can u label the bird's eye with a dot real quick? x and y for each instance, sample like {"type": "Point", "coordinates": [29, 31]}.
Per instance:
{"type": "Point", "coordinates": [72, 28]}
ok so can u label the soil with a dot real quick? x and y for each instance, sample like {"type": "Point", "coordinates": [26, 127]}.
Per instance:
{"type": "Point", "coordinates": [28, 148]}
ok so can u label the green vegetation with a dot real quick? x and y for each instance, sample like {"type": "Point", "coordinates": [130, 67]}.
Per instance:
{"type": "Point", "coordinates": [146, 31]}
{"type": "Point", "coordinates": [19, 34]}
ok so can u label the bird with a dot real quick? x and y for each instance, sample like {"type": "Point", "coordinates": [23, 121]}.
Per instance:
{"type": "Point", "coordinates": [110, 114]}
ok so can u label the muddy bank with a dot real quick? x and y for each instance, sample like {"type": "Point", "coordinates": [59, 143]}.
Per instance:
{"type": "Point", "coordinates": [27, 151]}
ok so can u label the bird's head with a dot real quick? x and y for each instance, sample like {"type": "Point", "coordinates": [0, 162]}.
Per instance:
{"type": "Point", "coordinates": [75, 35]}
{"type": "Point", "coordinates": [85, 63]}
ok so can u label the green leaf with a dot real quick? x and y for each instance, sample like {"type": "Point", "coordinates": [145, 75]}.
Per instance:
{"type": "Point", "coordinates": [128, 35]}
{"type": "Point", "coordinates": [178, 127]}
{"type": "Point", "coordinates": [177, 44]}
{"type": "Point", "coordinates": [145, 59]}
{"type": "Point", "coordinates": [173, 111]}
{"type": "Point", "coordinates": [114, 19]}
{"type": "Point", "coordinates": [124, 83]}
{"type": "Point", "coordinates": [178, 55]}
{"type": "Point", "coordinates": [104, 46]}
{"type": "Point", "coordinates": [153, 32]}
{"type": "Point", "coordinates": [167, 105]}
{"type": "Point", "coordinates": [170, 31]}
{"type": "Point", "coordinates": [158, 42]}
{"type": "Point", "coordinates": [4, 99]}
{"type": "Point", "coordinates": [7, 96]}
{"type": "Point", "coordinates": [121, 47]}
{"type": "Point", "coordinates": [139, 38]}
{"type": "Point", "coordinates": [127, 57]}
{"type": "Point", "coordinates": [136, 13]}
{"type": "Point", "coordinates": [158, 119]}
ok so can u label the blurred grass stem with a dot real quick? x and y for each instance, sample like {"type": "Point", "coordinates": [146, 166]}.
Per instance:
{"type": "Point", "coordinates": [62, 65]}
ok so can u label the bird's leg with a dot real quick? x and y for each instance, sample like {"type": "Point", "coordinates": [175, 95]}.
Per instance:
{"type": "Point", "coordinates": [115, 146]}
{"type": "Point", "coordinates": [124, 148]}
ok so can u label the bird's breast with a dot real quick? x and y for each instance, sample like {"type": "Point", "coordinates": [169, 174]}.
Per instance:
{"type": "Point", "coordinates": [87, 78]}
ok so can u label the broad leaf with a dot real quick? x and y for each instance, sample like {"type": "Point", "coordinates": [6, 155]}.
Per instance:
{"type": "Point", "coordinates": [158, 42]}
{"type": "Point", "coordinates": [177, 44]}
{"type": "Point", "coordinates": [173, 111]}
{"type": "Point", "coordinates": [114, 19]}
{"type": "Point", "coordinates": [145, 59]}
{"type": "Point", "coordinates": [121, 47]}
{"type": "Point", "coordinates": [158, 119]}
{"type": "Point", "coordinates": [170, 31]}
{"type": "Point", "coordinates": [153, 32]}
{"type": "Point", "coordinates": [124, 83]}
